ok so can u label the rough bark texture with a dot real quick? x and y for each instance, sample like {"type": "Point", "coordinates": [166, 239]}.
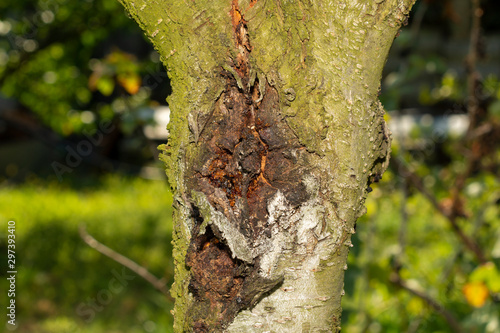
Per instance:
{"type": "Point", "coordinates": [276, 135]}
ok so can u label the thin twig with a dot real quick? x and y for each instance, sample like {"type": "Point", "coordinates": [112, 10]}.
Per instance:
{"type": "Point", "coordinates": [398, 262]}
{"type": "Point", "coordinates": [417, 20]}
{"type": "Point", "coordinates": [475, 110]}
{"type": "Point", "coordinates": [451, 216]}
{"type": "Point", "coordinates": [473, 76]}
{"type": "Point", "coordinates": [159, 284]}
{"type": "Point", "coordinates": [447, 315]}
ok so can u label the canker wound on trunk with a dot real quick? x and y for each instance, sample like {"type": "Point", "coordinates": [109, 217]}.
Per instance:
{"type": "Point", "coordinates": [247, 153]}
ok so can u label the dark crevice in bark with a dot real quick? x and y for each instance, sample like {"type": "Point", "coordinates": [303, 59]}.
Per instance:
{"type": "Point", "coordinates": [378, 165]}
{"type": "Point", "coordinates": [216, 280]}
{"type": "Point", "coordinates": [221, 285]}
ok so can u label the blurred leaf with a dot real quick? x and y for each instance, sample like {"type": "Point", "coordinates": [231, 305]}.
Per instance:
{"type": "Point", "coordinates": [105, 85]}
{"type": "Point", "coordinates": [494, 109]}
{"type": "Point", "coordinates": [131, 82]}
{"type": "Point", "coordinates": [425, 95]}
{"type": "Point", "coordinates": [489, 274]}
{"type": "Point", "coordinates": [476, 293]}
{"type": "Point", "coordinates": [415, 306]}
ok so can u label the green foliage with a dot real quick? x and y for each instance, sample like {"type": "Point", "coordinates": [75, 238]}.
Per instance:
{"type": "Point", "coordinates": [489, 274]}
{"type": "Point", "coordinates": [403, 231]}
{"type": "Point", "coordinates": [434, 260]}
{"type": "Point", "coordinates": [61, 60]}
{"type": "Point", "coordinates": [58, 272]}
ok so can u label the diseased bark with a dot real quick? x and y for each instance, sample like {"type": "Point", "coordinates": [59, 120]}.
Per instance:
{"type": "Point", "coordinates": [277, 133]}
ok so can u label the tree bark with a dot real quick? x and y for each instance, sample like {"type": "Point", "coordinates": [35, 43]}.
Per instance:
{"type": "Point", "coordinates": [276, 134]}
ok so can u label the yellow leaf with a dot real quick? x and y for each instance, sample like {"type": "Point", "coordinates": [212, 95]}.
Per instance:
{"type": "Point", "coordinates": [476, 293]}
{"type": "Point", "coordinates": [131, 82]}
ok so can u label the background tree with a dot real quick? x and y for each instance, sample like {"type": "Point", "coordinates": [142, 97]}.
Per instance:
{"type": "Point", "coordinates": [277, 133]}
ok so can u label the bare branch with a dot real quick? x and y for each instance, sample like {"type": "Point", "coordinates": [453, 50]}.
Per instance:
{"type": "Point", "coordinates": [473, 76]}
{"type": "Point", "coordinates": [450, 215]}
{"type": "Point", "coordinates": [159, 284]}
{"type": "Point", "coordinates": [447, 315]}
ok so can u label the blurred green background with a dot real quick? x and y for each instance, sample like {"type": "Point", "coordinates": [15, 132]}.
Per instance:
{"type": "Point", "coordinates": [73, 72]}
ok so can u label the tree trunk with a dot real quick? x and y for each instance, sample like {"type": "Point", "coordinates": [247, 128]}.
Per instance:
{"type": "Point", "coordinates": [276, 134]}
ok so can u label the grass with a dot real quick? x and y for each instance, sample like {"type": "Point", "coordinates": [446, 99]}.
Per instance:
{"type": "Point", "coordinates": [62, 284]}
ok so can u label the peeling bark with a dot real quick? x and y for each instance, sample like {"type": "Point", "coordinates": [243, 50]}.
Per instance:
{"type": "Point", "coordinates": [277, 134]}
